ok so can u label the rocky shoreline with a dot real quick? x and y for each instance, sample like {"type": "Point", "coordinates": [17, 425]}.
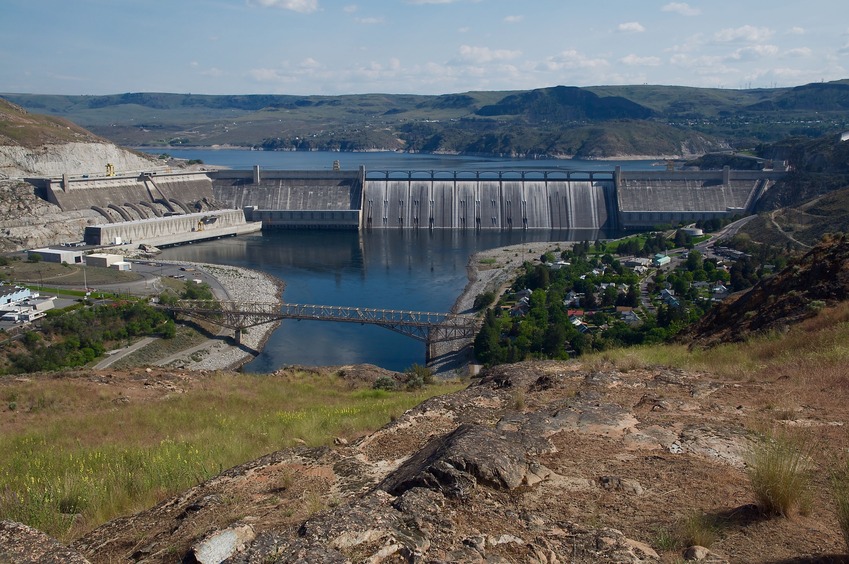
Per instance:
{"type": "Point", "coordinates": [241, 285]}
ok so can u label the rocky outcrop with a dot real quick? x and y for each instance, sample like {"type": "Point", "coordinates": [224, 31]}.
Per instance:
{"type": "Point", "coordinates": [819, 279]}
{"type": "Point", "coordinates": [536, 462]}
{"type": "Point", "coordinates": [20, 544]}
{"type": "Point", "coordinates": [28, 221]}
{"type": "Point", "coordinates": [69, 158]}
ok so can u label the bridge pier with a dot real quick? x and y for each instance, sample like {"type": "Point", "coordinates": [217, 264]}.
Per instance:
{"type": "Point", "coordinates": [237, 335]}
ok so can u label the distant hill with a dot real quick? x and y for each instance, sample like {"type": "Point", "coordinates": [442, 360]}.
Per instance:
{"type": "Point", "coordinates": [561, 104]}
{"type": "Point", "coordinates": [561, 121]}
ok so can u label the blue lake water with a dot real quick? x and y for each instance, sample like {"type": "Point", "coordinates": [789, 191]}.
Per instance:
{"type": "Point", "coordinates": [415, 270]}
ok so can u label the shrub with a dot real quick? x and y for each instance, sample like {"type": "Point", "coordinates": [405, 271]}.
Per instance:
{"type": "Point", "coordinates": [417, 377]}
{"type": "Point", "coordinates": [483, 300]}
{"type": "Point", "coordinates": [778, 468]}
{"type": "Point", "coordinates": [385, 383]}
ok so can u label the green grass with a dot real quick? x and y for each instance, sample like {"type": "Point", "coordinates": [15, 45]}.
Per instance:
{"type": "Point", "coordinates": [105, 459]}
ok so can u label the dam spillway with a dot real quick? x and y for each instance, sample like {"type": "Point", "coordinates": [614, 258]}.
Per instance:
{"type": "Point", "coordinates": [499, 203]}
{"type": "Point", "coordinates": [421, 200]}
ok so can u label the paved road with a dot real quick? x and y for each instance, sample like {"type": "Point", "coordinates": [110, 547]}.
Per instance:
{"type": "Point", "coordinates": [121, 353]}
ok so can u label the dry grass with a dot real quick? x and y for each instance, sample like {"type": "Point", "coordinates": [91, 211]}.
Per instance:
{"type": "Point", "coordinates": [779, 467]}
{"type": "Point", "coordinates": [840, 489]}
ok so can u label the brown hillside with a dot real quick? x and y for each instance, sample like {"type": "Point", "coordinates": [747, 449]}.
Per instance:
{"type": "Point", "coordinates": [820, 278]}
{"type": "Point", "coordinates": [19, 127]}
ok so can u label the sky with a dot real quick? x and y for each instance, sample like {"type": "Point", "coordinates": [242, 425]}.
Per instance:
{"type": "Point", "coordinates": [330, 47]}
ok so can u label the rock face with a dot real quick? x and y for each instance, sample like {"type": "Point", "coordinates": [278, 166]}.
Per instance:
{"type": "Point", "coordinates": [20, 544]}
{"type": "Point", "coordinates": [536, 462]}
{"type": "Point", "coordinates": [28, 221]}
{"type": "Point", "coordinates": [69, 158]}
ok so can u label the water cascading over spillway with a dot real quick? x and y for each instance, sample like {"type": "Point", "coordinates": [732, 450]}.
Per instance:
{"type": "Point", "coordinates": [433, 203]}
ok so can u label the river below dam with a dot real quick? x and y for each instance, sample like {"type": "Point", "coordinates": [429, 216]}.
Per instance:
{"type": "Point", "coordinates": [417, 270]}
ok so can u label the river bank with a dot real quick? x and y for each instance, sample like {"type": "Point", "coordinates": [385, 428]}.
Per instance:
{"type": "Point", "coordinates": [241, 285]}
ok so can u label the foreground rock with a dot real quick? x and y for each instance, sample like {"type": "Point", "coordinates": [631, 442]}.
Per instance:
{"type": "Point", "coordinates": [536, 462]}
{"type": "Point", "coordinates": [20, 544]}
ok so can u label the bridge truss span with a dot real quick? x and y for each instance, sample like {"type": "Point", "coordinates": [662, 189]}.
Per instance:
{"type": "Point", "coordinates": [428, 327]}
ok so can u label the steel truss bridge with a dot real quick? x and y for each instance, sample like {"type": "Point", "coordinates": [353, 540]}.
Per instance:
{"type": "Point", "coordinates": [427, 327]}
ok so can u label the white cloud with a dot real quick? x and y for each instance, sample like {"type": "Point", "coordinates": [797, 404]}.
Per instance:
{"type": "Point", "coordinates": [844, 50]}
{"type": "Point", "coordinates": [681, 8]}
{"type": "Point", "coordinates": [269, 75]}
{"type": "Point", "coordinates": [744, 33]}
{"type": "Point", "coordinates": [693, 43]}
{"type": "Point", "coordinates": [631, 27]}
{"type": "Point", "coordinates": [573, 59]}
{"type": "Point", "coordinates": [513, 19]}
{"type": "Point", "coordinates": [481, 55]}
{"type": "Point", "coordinates": [350, 8]}
{"type": "Point", "coordinates": [796, 30]}
{"type": "Point", "coordinates": [369, 21]}
{"type": "Point", "coordinates": [754, 52]}
{"type": "Point", "coordinates": [432, 1]}
{"type": "Point", "coordinates": [799, 52]}
{"type": "Point", "coordinates": [302, 6]}
{"type": "Point", "coordinates": [634, 60]}
{"type": "Point", "coordinates": [213, 72]}
{"type": "Point", "coordinates": [310, 63]}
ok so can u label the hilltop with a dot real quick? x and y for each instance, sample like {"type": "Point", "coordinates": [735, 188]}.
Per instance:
{"type": "Point", "coordinates": [43, 145]}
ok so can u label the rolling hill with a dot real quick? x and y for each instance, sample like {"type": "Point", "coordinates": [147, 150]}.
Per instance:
{"type": "Point", "coordinates": [560, 121]}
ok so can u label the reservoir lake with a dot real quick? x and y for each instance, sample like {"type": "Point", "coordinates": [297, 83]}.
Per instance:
{"type": "Point", "coordinates": [417, 270]}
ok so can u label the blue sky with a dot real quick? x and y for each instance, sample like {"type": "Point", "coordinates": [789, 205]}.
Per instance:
{"type": "Point", "coordinates": [414, 46]}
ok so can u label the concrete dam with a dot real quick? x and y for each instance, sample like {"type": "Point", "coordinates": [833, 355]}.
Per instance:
{"type": "Point", "coordinates": [548, 200]}
{"type": "Point", "coordinates": [169, 208]}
